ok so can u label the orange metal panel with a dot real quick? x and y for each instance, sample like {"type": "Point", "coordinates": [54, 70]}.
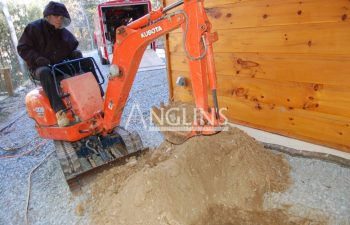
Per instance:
{"type": "Point", "coordinates": [84, 95]}
{"type": "Point", "coordinates": [39, 108]}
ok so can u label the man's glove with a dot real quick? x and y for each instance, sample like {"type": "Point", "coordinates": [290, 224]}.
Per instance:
{"type": "Point", "coordinates": [76, 54]}
{"type": "Point", "coordinates": [42, 61]}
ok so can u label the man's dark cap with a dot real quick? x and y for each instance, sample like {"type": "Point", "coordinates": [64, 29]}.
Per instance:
{"type": "Point", "coordinates": [59, 9]}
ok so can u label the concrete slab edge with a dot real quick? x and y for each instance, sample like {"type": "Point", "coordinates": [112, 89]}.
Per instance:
{"type": "Point", "coordinates": [267, 137]}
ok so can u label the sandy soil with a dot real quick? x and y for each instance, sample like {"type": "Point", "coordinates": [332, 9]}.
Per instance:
{"type": "Point", "coordinates": [219, 179]}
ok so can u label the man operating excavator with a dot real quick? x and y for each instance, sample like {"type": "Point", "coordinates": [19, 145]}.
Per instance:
{"type": "Point", "coordinates": [45, 42]}
{"type": "Point", "coordinates": [95, 136]}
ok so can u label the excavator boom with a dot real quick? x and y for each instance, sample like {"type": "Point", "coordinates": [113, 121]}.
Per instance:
{"type": "Point", "coordinates": [132, 40]}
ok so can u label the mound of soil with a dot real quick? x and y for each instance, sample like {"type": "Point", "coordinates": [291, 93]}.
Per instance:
{"type": "Point", "coordinates": [219, 179]}
{"type": "Point", "coordinates": [181, 184]}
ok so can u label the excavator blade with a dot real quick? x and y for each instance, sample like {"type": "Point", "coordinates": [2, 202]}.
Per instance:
{"type": "Point", "coordinates": [96, 153]}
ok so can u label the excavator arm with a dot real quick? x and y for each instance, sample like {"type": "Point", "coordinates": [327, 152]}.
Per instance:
{"type": "Point", "coordinates": [132, 40]}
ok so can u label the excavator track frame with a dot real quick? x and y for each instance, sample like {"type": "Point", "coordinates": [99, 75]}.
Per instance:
{"type": "Point", "coordinates": [75, 166]}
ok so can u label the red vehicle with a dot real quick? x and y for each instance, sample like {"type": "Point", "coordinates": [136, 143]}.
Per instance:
{"type": "Point", "coordinates": [112, 14]}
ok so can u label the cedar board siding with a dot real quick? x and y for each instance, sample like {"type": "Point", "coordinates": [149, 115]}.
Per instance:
{"type": "Point", "coordinates": [282, 66]}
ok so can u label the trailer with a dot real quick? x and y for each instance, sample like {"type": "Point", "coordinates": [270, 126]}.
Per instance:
{"type": "Point", "coordinates": [109, 16]}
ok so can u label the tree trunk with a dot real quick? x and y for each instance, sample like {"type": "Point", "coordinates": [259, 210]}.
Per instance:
{"type": "Point", "coordinates": [12, 30]}
{"type": "Point", "coordinates": [87, 23]}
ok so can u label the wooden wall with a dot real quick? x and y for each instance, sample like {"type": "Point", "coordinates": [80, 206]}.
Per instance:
{"type": "Point", "coordinates": [283, 66]}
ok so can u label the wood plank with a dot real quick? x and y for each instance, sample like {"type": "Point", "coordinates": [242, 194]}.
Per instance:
{"type": "Point", "coordinates": [168, 66]}
{"type": "Point", "coordinates": [323, 38]}
{"type": "Point", "coordinates": [329, 99]}
{"type": "Point", "coordinates": [278, 12]}
{"type": "Point", "coordinates": [315, 69]}
{"type": "Point", "coordinates": [293, 53]}
{"type": "Point", "coordinates": [254, 13]}
{"type": "Point", "coordinates": [299, 123]}
{"type": "Point", "coordinates": [316, 127]}
{"type": "Point", "coordinates": [209, 3]}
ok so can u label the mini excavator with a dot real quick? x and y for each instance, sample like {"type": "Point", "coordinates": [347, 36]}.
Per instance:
{"type": "Point", "coordinates": [94, 137]}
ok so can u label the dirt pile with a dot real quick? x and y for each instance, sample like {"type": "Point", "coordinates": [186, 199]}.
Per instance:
{"type": "Point", "coordinates": [219, 179]}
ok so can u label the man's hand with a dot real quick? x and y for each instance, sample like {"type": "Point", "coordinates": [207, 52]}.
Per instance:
{"type": "Point", "coordinates": [42, 61]}
{"type": "Point", "coordinates": [76, 54]}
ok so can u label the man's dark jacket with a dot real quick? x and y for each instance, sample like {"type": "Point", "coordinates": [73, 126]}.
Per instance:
{"type": "Point", "coordinates": [41, 39]}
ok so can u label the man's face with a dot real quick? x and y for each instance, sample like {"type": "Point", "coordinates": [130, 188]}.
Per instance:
{"type": "Point", "coordinates": [56, 21]}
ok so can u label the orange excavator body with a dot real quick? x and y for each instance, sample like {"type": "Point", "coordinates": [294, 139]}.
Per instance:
{"type": "Point", "coordinates": [91, 115]}
{"type": "Point", "coordinates": [131, 42]}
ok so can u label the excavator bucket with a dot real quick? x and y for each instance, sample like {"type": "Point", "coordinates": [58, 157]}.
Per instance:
{"type": "Point", "coordinates": [93, 153]}
{"type": "Point", "coordinates": [174, 121]}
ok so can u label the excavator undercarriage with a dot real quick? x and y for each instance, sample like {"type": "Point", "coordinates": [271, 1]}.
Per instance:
{"type": "Point", "coordinates": [79, 157]}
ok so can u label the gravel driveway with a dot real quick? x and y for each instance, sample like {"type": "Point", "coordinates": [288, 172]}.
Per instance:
{"type": "Point", "coordinates": [51, 200]}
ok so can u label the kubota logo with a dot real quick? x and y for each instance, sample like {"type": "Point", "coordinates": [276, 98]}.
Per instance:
{"type": "Point", "coordinates": [39, 111]}
{"type": "Point", "coordinates": [151, 31]}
